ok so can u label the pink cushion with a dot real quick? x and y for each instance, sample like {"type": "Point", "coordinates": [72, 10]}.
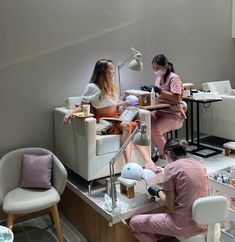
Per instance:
{"type": "Point", "coordinates": [36, 171]}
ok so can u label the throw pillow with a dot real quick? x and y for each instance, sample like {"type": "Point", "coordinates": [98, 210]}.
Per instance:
{"type": "Point", "coordinates": [36, 171]}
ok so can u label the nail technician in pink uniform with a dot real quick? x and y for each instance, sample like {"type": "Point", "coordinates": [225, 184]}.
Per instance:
{"type": "Point", "coordinates": [185, 180]}
{"type": "Point", "coordinates": [169, 89]}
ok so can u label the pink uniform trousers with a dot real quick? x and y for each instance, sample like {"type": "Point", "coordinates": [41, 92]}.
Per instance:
{"type": "Point", "coordinates": [146, 226]}
{"type": "Point", "coordinates": [162, 123]}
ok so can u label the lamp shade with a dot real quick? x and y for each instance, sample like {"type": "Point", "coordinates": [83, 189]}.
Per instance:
{"type": "Point", "coordinates": [141, 137]}
{"type": "Point", "coordinates": [136, 65]}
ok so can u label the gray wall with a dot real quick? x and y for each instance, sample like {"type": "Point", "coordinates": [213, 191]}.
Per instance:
{"type": "Point", "coordinates": [48, 49]}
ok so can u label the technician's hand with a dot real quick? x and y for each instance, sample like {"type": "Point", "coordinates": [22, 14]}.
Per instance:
{"type": "Point", "coordinates": [157, 89]}
{"type": "Point", "coordinates": [154, 191]}
{"type": "Point", "coordinates": [146, 88]}
{"type": "Point", "coordinates": [149, 88]}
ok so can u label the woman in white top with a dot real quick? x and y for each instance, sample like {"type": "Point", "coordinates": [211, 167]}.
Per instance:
{"type": "Point", "coordinates": [102, 93]}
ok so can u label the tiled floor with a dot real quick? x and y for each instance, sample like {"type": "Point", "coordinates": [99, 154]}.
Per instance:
{"type": "Point", "coordinates": [216, 162]}
{"type": "Point", "coordinates": [40, 229]}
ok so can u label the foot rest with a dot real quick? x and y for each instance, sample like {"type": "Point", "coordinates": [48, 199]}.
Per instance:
{"type": "Point", "coordinates": [229, 147]}
{"type": "Point", "coordinates": [127, 187]}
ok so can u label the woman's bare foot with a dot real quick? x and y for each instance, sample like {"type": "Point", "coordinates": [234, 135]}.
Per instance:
{"type": "Point", "coordinates": [149, 164]}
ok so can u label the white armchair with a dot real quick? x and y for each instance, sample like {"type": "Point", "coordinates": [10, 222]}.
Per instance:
{"type": "Point", "coordinates": [218, 118]}
{"type": "Point", "coordinates": [79, 147]}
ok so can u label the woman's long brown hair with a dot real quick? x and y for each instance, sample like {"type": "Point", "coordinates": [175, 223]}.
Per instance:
{"type": "Point", "coordinates": [108, 87]}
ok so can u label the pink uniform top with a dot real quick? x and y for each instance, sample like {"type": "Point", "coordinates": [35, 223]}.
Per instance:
{"type": "Point", "coordinates": [174, 85]}
{"type": "Point", "coordinates": [188, 179]}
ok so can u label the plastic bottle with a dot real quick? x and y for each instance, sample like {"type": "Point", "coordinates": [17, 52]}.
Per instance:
{"type": "Point", "coordinates": [153, 97]}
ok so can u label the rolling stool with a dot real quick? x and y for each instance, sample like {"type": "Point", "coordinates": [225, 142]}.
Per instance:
{"type": "Point", "coordinates": [170, 133]}
{"type": "Point", "coordinates": [209, 211]}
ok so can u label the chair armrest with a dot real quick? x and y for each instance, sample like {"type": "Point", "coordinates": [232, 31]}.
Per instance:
{"type": "Point", "coordinates": [85, 140]}
{"type": "Point", "coordinates": [59, 175]}
{"type": "Point", "coordinates": [75, 142]}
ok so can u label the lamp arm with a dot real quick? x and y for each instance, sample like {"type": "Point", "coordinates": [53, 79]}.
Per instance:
{"type": "Point", "coordinates": [119, 66]}
{"type": "Point", "coordinates": [111, 167]}
{"type": "Point", "coordinates": [135, 55]}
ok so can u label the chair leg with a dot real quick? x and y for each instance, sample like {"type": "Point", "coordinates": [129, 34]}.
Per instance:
{"type": "Point", "coordinates": [10, 220]}
{"type": "Point", "coordinates": [56, 219]}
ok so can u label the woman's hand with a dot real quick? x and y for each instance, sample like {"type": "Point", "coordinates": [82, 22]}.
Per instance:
{"type": "Point", "coordinates": [69, 114]}
{"type": "Point", "coordinates": [132, 100]}
{"type": "Point", "coordinates": [67, 118]}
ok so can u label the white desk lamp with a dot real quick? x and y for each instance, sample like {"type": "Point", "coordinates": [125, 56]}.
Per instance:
{"type": "Point", "coordinates": [140, 137]}
{"type": "Point", "coordinates": [134, 63]}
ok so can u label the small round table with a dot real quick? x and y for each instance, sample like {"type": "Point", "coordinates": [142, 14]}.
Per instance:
{"type": "Point", "coordinates": [6, 234]}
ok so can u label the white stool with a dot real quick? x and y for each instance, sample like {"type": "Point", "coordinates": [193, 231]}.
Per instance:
{"type": "Point", "coordinates": [229, 147]}
{"type": "Point", "coordinates": [208, 211]}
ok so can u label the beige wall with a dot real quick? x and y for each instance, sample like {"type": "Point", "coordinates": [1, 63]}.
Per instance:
{"type": "Point", "coordinates": [48, 49]}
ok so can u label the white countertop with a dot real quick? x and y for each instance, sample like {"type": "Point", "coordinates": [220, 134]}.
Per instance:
{"type": "Point", "coordinates": [126, 208]}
